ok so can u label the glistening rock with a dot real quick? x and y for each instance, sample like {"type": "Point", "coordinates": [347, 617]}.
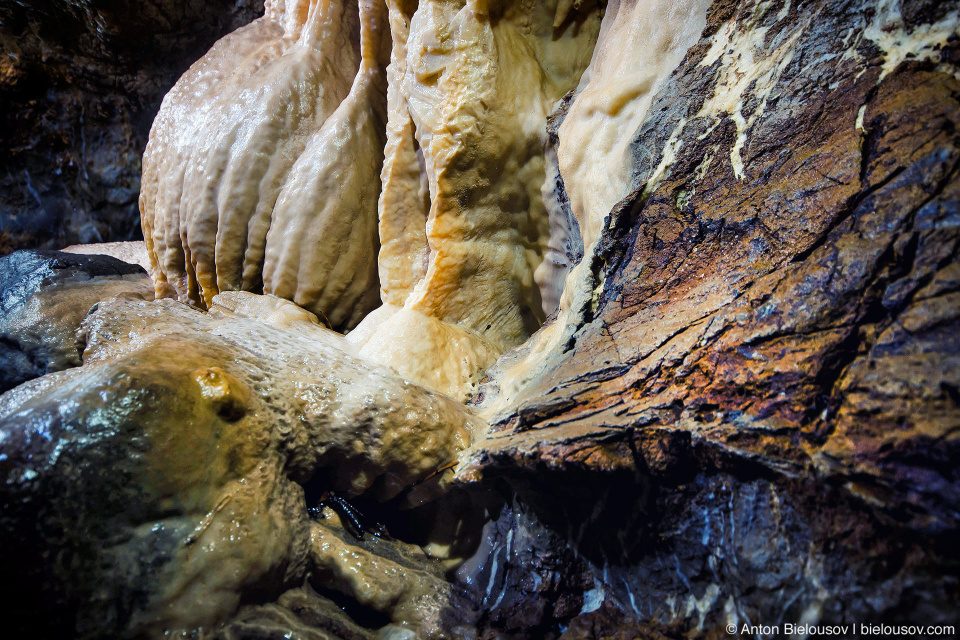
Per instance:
{"type": "Point", "coordinates": [745, 407]}
{"type": "Point", "coordinates": [751, 404]}
{"type": "Point", "coordinates": [166, 470]}
{"type": "Point", "coordinates": [44, 296]}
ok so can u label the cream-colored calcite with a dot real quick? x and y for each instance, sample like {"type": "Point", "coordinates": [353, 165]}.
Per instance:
{"type": "Point", "coordinates": [747, 68]}
{"type": "Point", "coordinates": [262, 168]}
{"type": "Point", "coordinates": [920, 42]}
{"type": "Point", "coordinates": [290, 153]}
{"type": "Point", "coordinates": [131, 252]}
{"type": "Point", "coordinates": [248, 145]}
{"type": "Point", "coordinates": [174, 135]}
{"type": "Point", "coordinates": [434, 353]}
{"type": "Point", "coordinates": [270, 310]}
{"type": "Point", "coordinates": [316, 255]}
{"type": "Point", "coordinates": [471, 86]}
{"type": "Point", "coordinates": [640, 44]}
{"type": "Point", "coordinates": [405, 199]}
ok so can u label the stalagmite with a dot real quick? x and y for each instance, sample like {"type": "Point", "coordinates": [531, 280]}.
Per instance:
{"type": "Point", "coordinates": [174, 135]}
{"type": "Point", "coordinates": [318, 255]}
{"type": "Point", "coordinates": [472, 85]}
{"type": "Point", "coordinates": [641, 42]}
{"type": "Point", "coordinates": [274, 166]}
{"type": "Point", "coordinates": [701, 254]}
{"type": "Point", "coordinates": [253, 137]}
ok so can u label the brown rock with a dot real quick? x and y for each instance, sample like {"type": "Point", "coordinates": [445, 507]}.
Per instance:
{"type": "Point", "coordinates": [772, 356]}
{"type": "Point", "coordinates": [158, 486]}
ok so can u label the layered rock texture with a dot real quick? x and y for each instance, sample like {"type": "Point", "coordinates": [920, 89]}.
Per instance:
{"type": "Point", "coordinates": [761, 372]}
{"type": "Point", "coordinates": [740, 219]}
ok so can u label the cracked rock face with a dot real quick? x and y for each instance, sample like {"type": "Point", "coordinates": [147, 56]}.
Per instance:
{"type": "Point", "coordinates": [768, 328]}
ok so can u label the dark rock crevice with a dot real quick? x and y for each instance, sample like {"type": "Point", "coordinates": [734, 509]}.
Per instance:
{"type": "Point", "coordinates": [80, 83]}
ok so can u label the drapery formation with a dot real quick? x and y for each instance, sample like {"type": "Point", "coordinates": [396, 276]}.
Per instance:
{"type": "Point", "coordinates": [293, 160]}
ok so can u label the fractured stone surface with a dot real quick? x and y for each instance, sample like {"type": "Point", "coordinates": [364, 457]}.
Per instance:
{"type": "Point", "coordinates": [768, 336]}
{"type": "Point", "coordinates": [745, 409]}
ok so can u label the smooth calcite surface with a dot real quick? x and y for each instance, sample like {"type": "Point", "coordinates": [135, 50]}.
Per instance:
{"type": "Point", "coordinates": [640, 44]}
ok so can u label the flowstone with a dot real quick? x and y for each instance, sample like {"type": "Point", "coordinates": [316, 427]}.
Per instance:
{"type": "Point", "coordinates": [266, 172]}
{"type": "Point", "coordinates": [167, 470]}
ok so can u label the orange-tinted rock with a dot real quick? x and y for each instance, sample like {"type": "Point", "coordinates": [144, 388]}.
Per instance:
{"type": "Point", "coordinates": [770, 359]}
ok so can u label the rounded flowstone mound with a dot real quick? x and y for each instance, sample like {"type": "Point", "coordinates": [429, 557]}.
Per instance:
{"type": "Point", "coordinates": [158, 485]}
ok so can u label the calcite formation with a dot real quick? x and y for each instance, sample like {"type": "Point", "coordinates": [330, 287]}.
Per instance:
{"type": "Point", "coordinates": [206, 456]}
{"type": "Point", "coordinates": [640, 45]}
{"type": "Point", "coordinates": [278, 127]}
{"type": "Point", "coordinates": [472, 85]}
{"type": "Point", "coordinates": [263, 172]}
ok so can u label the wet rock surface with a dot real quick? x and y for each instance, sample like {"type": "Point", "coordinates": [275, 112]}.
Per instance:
{"type": "Point", "coordinates": [160, 485]}
{"type": "Point", "coordinates": [747, 412]}
{"type": "Point", "coordinates": [80, 83]}
{"type": "Point", "coordinates": [44, 296]}
{"type": "Point", "coordinates": [373, 588]}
